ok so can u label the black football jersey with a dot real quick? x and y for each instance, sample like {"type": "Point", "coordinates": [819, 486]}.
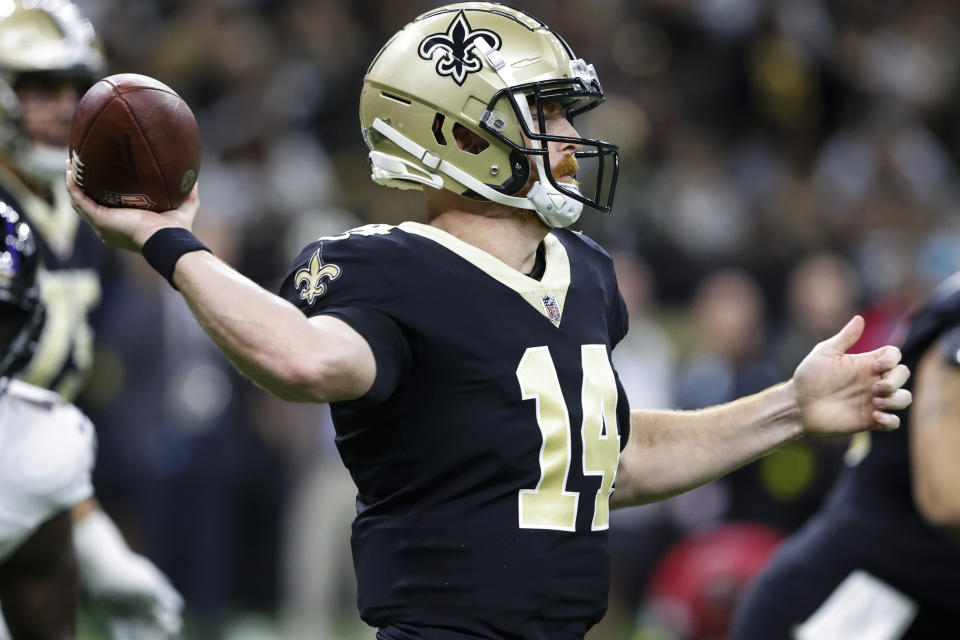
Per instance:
{"type": "Point", "coordinates": [877, 492]}
{"type": "Point", "coordinates": [485, 452]}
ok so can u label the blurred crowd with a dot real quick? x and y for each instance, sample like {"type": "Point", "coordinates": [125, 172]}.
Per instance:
{"type": "Point", "coordinates": [785, 164]}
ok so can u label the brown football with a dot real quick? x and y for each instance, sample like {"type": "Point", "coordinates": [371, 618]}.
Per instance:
{"type": "Point", "coordinates": [135, 143]}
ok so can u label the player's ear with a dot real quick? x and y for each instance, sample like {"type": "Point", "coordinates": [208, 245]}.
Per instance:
{"type": "Point", "coordinates": [468, 140]}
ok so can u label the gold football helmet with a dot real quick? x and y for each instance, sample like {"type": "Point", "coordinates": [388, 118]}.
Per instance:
{"type": "Point", "coordinates": [491, 69]}
{"type": "Point", "coordinates": [41, 37]}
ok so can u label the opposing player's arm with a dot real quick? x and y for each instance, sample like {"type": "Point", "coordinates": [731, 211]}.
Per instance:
{"type": "Point", "coordinates": [267, 338]}
{"type": "Point", "coordinates": [935, 438]}
{"type": "Point", "coordinates": [831, 393]}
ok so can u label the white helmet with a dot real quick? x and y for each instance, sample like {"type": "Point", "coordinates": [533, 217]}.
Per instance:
{"type": "Point", "coordinates": [483, 66]}
{"type": "Point", "coordinates": [40, 37]}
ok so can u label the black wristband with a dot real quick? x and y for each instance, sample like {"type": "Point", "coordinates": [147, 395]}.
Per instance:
{"type": "Point", "coordinates": [166, 246]}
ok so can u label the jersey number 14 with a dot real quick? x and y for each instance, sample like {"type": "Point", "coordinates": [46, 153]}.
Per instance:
{"type": "Point", "coordinates": [549, 505]}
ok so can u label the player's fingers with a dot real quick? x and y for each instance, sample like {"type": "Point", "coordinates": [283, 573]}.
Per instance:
{"type": "Point", "coordinates": [885, 358]}
{"type": "Point", "coordinates": [885, 421]}
{"type": "Point", "coordinates": [81, 203]}
{"type": "Point", "coordinates": [192, 203]}
{"type": "Point", "coordinates": [847, 336]}
{"type": "Point", "coordinates": [76, 197]}
{"type": "Point", "coordinates": [891, 380]}
{"type": "Point", "coordinates": [899, 399]}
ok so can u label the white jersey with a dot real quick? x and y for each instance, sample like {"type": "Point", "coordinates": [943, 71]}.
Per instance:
{"type": "Point", "coordinates": [47, 451]}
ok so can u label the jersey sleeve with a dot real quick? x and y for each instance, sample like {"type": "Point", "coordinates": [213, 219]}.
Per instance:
{"type": "Point", "coordinates": [619, 318]}
{"type": "Point", "coordinates": [341, 277]}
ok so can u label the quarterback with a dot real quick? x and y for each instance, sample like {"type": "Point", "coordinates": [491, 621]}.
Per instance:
{"type": "Point", "coordinates": [467, 358]}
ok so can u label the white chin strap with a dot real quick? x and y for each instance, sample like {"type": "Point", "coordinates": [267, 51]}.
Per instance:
{"type": "Point", "coordinates": [556, 209]}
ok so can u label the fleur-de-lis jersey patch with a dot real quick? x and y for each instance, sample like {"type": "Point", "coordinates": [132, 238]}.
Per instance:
{"type": "Point", "coordinates": [310, 279]}
{"type": "Point", "coordinates": [458, 48]}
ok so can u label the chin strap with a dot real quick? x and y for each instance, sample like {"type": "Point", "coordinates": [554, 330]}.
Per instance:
{"type": "Point", "coordinates": [393, 168]}
{"type": "Point", "coordinates": [556, 209]}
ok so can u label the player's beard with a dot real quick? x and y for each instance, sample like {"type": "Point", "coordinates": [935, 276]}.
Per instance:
{"type": "Point", "coordinates": [566, 169]}
{"type": "Point", "coordinates": [563, 173]}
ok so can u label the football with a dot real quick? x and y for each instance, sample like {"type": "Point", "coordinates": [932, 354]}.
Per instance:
{"type": "Point", "coordinates": [135, 143]}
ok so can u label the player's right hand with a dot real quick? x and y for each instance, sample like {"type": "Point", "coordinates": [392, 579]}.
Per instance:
{"type": "Point", "coordinates": [129, 228]}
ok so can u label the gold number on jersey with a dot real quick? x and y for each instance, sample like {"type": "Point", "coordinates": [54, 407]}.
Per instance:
{"type": "Point", "coordinates": [69, 295]}
{"type": "Point", "coordinates": [549, 505]}
{"type": "Point", "coordinates": [601, 452]}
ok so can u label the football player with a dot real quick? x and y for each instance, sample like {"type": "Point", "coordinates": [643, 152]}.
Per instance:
{"type": "Point", "coordinates": [882, 558]}
{"type": "Point", "coordinates": [467, 359]}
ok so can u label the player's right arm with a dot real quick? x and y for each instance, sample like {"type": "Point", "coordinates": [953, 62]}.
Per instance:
{"type": "Point", "coordinates": [267, 338]}
{"type": "Point", "coordinates": [935, 434]}
{"type": "Point", "coordinates": [320, 359]}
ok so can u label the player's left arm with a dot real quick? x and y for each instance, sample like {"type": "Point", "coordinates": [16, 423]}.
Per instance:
{"type": "Point", "coordinates": [831, 393]}
{"type": "Point", "coordinates": [935, 436]}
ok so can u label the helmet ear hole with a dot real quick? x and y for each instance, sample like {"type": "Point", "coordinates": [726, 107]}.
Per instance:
{"type": "Point", "coordinates": [469, 141]}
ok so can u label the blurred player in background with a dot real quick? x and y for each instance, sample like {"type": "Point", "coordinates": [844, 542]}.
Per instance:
{"type": "Point", "coordinates": [48, 56]}
{"type": "Point", "coordinates": [882, 558]}
{"type": "Point", "coordinates": [468, 359]}
{"type": "Point", "coordinates": [47, 450]}
{"type": "Point", "coordinates": [47, 509]}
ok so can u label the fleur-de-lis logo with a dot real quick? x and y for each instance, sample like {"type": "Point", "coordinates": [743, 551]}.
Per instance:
{"type": "Point", "coordinates": [458, 46]}
{"type": "Point", "coordinates": [309, 280]}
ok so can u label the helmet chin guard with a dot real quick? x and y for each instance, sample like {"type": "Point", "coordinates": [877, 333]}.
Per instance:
{"type": "Point", "coordinates": [557, 210]}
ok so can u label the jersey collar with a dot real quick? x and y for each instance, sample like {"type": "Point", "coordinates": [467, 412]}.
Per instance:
{"type": "Point", "coordinates": [546, 295]}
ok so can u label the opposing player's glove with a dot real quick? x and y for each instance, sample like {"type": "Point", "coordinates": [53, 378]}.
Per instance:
{"type": "Point", "coordinates": [138, 598]}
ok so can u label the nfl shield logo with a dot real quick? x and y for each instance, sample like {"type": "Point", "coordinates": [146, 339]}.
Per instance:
{"type": "Point", "coordinates": [551, 307]}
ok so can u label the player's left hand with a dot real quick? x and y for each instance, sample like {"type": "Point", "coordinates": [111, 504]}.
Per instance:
{"type": "Point", "coordinates": [840, 393]}
{"type": "Point", "coordinates": [129, 228]}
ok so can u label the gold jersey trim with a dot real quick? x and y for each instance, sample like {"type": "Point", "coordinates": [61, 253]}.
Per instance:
{"type": "Point", "coordinates": [542, 295]}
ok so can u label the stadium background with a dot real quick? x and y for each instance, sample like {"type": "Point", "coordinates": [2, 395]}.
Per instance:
{"type": "Point", "coordinates": [785, 163]}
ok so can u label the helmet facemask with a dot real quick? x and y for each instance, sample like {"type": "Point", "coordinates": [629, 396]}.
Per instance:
{"type": "Point", "coordinates": [576, 95]}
